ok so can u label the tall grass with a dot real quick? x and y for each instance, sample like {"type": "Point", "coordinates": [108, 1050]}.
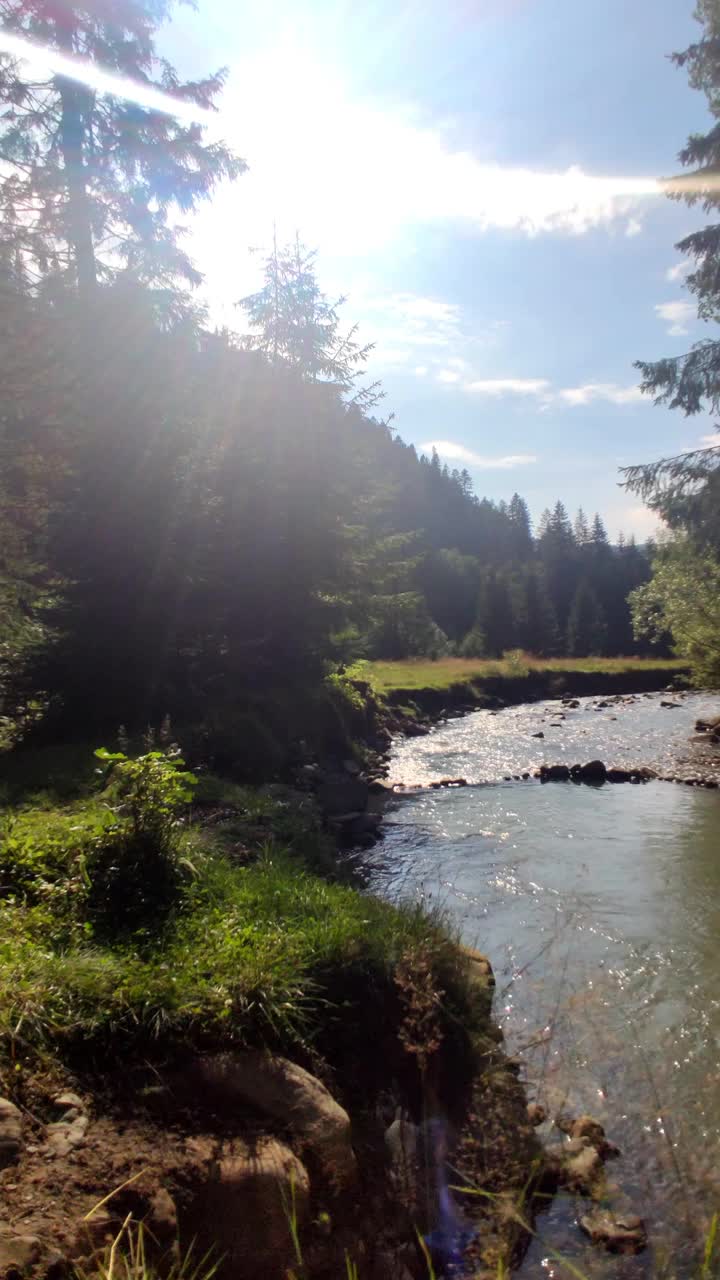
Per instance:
{"type": "Point", "coordinates": [421, 673]}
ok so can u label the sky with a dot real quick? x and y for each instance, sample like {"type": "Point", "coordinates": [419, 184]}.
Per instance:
{"type": "Point", "coordinates": [479, 178]}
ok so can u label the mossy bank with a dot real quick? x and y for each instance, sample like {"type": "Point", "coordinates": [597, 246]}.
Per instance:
{"type": "Point", "coordinates": [169, 943]}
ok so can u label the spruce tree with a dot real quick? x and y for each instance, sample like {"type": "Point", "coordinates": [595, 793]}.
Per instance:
{"type": "Point", "coordinates": [581, 528]}
{"type": "Point", "coordinates": [587, 628]}
{"type": "Point", "coordinates": [93, 178]}
{"type": "Point", "coordinates": [297, 325]}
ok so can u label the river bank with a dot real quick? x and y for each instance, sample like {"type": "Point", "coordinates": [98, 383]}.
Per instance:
{"type": "Point", "coordinates": [273, 1063]}
{"type": "Point", "coordinates": [694, 759]}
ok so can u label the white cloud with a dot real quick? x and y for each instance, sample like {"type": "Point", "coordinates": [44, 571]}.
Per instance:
{"type": "Point", "coordinates": [710, 441]}
{"type": "Point", "coordinates": [508, 386]}
{"type": "Point", "coordinates": [633, 519]}
{"type": "Point", "coordinates": [459, 453]}
{"type": "Point", "coordinates": [448, 375]}
{"type": "Point", "coordinates": [601, 391]}
{"type": "Point", "coordinates": [420, 371]}
{"type": "Point", "coordinates": [633, 228]}
{"type": "Point", "coordinates": [678, 273]}
{"type": "Point", "coordinates": [288, 116]}
{"type": "Point", "coordinates": [678, 315]}
{"type": "Point", "coordinates": [542, 390]}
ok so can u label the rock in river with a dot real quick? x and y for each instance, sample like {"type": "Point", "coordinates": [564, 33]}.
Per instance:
{"type": "Point", "coordinates": [624, 1234]}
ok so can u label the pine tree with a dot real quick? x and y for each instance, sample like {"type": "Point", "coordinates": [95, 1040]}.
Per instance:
{"type": "Point", "coordinates": [94, 178]}
{"type": "Point", "coordinates": [581, 529]}
{"type": "Point", "coordinates": [587, 628]}
{"type": "Point", "coordinates": [494, 618]}
{"type": "Point", "coordinates": [298, 326]}
{"type": "Point", "coordinates": [543, 633]}
{"type": "Point", "coordinates": [521, 528]}
{"type": "Point", "coordinates": [557, 552]}
{"type": "Point", "coordinates": [598, 533]}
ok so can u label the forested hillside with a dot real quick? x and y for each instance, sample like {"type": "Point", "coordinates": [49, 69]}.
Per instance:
{"type": "Point", "coordinates": [189, 517]}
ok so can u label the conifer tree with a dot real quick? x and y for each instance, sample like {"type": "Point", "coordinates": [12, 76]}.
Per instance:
{"type": "Point", "coordinates": [94, 177]}
{"type": "Point", "coordinates": [587, 628]}
{"type": "Point", "coordinates": [297, 325]}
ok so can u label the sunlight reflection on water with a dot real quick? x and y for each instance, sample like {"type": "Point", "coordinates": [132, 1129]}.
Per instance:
{"type": "Point", "coordinates": [600, 910]}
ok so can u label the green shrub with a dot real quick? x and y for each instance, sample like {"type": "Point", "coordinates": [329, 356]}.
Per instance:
{"type": "Point", "coordinates": [135, 868]}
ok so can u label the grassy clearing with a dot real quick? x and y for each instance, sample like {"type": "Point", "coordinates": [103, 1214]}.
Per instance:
{"type": "Point", "coordinates": [420, 673]}
{"type": "Point", "coordinates": [255, 949]}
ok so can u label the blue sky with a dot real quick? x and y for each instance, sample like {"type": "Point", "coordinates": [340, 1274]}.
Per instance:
{"type": "Point", "coordinates": [478, 177]}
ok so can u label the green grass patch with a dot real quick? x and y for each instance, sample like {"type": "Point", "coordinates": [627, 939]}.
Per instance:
{"type": "Point", "coordinates": [253, 950]}
{"type": "Point", "coordinates": [420, 673]}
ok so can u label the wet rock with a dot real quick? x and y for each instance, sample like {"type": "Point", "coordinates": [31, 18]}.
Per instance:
{"type": "Point", "coordinates": [537, 735]}
{"type": "Point", "coordinates": [242, 1211]}
{"type": "Point", "coordinates": [379, 787]}
{"type": "Point", "coordinates": [707, 726]}
{"type": "Point", "coordinates": [448, 782]}
{"type": "Point", "coordinates": [618, 775]}
{"type": "Point", "coordinates": [590, 1130]}
{"type": "Point", "coordinates": [624, 1234]}
{"type": "Point", "coordinates": [670, 705]}
{"type": "Point", "coordinates": [582, 1169]}
{"type": "Point", "coordinates": [481, 969]}
{"type": "Point", "coordinates": [352, 767]}
{"type": "Point", "coordinates": [554, 773]}
{"type": "Point", "coordinates": [593, 771]}
{"type": "Point", "coordinates": [11, 1139]}
{"type": "Point", "coordinates": [525, 777]}
{"type": "Point", "coordinates": [292, 1096]}
{"type": "Point", "coordinates": [536, 1113]}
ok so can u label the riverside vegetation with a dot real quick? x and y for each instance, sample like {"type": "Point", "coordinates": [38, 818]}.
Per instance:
{"type": "Point", "coordinates": [203, 531]}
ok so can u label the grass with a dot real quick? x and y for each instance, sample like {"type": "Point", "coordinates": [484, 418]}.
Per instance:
{"type": "Point", "coordinates": [259, 949]}
{"type": "Point", "coordinates": [421, 673]}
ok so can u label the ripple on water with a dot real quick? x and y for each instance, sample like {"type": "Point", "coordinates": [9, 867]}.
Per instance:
{"type": "Point", "coordinates": [600, 909]}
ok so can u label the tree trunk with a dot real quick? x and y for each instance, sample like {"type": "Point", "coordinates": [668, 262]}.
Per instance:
{"type": "Point", "coordinates": [74, 98]}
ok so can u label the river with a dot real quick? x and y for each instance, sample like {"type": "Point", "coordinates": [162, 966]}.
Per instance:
{"type": "Point", "coordinates": [599, 907]}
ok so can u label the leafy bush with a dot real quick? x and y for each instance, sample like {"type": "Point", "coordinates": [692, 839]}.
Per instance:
{"type": "Point", "coordinates": [135, 867]}
{"type": "Point", "coordinates": [474, 645]}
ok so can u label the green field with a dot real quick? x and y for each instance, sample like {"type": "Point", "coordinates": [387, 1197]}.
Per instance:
{"type": "Point", "coordinates": [421, 673]}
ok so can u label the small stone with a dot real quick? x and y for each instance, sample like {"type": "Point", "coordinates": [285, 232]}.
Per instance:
{"type": "Point", "coordinates": [64, 1101]}
{"type": "Point", "coordinates": [536, 1113]}
{"type": "Point", "coordinates": [625, 1234]}
{"type": "Point", "coordinates": [18, 1253]}
{"type": "Point", "coordinates": [64, 1136]}
{"type": "Point", "coordinates": [537, 735]}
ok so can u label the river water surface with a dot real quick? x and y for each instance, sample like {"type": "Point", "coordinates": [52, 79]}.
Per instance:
{"type": "Point", "coordinates": [599, 907]}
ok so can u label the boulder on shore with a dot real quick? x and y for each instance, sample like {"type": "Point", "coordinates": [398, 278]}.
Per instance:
{"type": "Point", "coordinates": [292, 1096]}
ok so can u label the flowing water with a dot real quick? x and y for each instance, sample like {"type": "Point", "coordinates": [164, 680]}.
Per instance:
{"type": "Point", "coordinates": [599, 907]}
